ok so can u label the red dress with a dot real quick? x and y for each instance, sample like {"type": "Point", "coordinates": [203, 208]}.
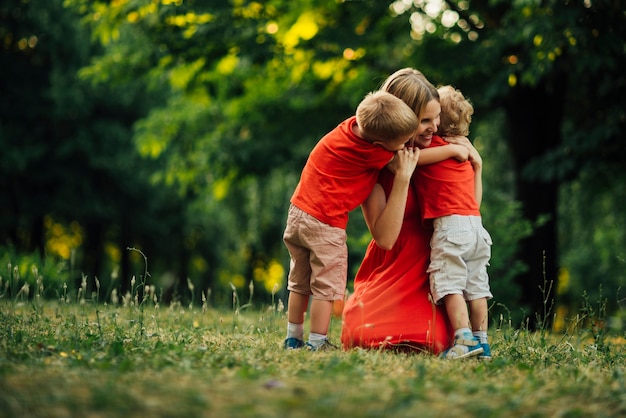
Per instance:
{"type": "Point", "coordinates": [391, 305]}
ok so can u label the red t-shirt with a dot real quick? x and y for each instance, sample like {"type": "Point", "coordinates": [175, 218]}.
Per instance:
{"type": "Point", "coordinates": [446, 188]}
{"type": "Point", "coordinates": [339, 175]}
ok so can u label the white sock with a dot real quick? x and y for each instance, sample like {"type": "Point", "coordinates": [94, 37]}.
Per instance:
{"type": "Point", "coordinates": [462, 332]}
{"type": "Point", "coordinates": [295, 331]}
{"type": "Point", "coordinates": [316, 339]}
{"type": "Point", "coordinates": [482, 336]}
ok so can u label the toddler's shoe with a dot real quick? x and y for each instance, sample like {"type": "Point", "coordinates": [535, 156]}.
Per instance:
{"type": "Point", "coordinates": [292, 343]}
{"type": "Point", "coordinates": [468, 346]}
{"type": "Point", "coordinates": [325, 346]}
{"type": "Point", "coordinates": [486, 354]}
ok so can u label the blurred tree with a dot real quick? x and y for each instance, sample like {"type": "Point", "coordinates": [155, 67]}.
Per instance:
{"type": "Point", "coordinates": [275, 75]}
{"type": "Point", "coordinates": [68, 157]}
{"type": "Point", "coordinates": [243, 111]}
{"type": "Point", "coordinates": [249, 87]}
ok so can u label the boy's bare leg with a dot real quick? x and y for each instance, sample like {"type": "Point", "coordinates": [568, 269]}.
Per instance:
{"type": "Point", "coordinates": [479, 313]}
{"type": "Point", "coordinates": [456, 307]}
{"type": "Point", "coordinates": [296, 307]}
{"type": "Point", "coordinates": [321, 311]}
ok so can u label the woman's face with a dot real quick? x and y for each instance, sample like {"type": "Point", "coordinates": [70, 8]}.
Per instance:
{"type": "Point", "coordinates": [429, 123]}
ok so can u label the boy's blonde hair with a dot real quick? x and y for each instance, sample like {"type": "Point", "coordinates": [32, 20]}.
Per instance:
{"type": "Point", "coordinates": [383, 117]}
{"type": "Point", "coordinates": [412, 87]}
{"type": "Point", "coordinates": [456, 112]}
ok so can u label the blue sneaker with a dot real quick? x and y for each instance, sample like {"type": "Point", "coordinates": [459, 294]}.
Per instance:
{"type": "Point", "coordinates": [325, 346]}
{"type": "Point", "coordinates": [469, 346]}
{"type": "Point", "coordinates": [486, 355]}
{"type": "Point", "coordinates": [293, 343]}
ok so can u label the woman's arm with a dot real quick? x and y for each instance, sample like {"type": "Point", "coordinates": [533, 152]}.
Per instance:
{"type": "Point", "coordinates": [384, 216]}
{"type": "Point", "coordinates": [478, 181]}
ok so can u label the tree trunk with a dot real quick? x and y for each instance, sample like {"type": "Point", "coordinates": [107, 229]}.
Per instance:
{"type": "Point", "coordinates": [534, 116]}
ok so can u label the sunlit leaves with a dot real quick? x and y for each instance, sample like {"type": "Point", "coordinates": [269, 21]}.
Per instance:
{"type": "Point", "coordinates": [62, 240]}
{"type": "Point", "coordinates": [189, 18]}
{"type": "Point", "coordinates": [326, 70]}
{"type": "Point", "coordinates": [221, 187]}
{"type": "Point", "coordinates": [251, 10]}
{"type": "Point", "coordinates": [353, 54]}
{"type": "Point", "coordinates": [189, 22]}
{"type": "Point", "coordinates": [150, 144]}
{"type": "Point", "coordinates": [304, 28]}
{"type": "Point", "coordinates": [227, 64]}
{"type": "Point", "coordinates": [270, 275]}
{"type": "Point", "coordinates": [181, 75]}
{"type": "Point", "coordinates": [176, 135]}
{"type": "Point", "coordinates": [142, 12]}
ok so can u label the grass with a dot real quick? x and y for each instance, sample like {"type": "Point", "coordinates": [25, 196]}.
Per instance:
{"type": "Point", "coordinates": [79, 357]}
{"type": "Point", "coordinates": [137, 359]}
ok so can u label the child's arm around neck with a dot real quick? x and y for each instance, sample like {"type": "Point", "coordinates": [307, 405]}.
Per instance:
{"type": "Point", "coordinates": [436, 154]}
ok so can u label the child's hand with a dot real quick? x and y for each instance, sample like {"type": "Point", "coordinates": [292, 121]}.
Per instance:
{"type": "Point", "coordinates": [475, 159]}
{"type": "Point", "coordinates": [473, 156]}
{"type": "Point", "coordinates": [404, 163]}
{"type": "Point", "coordinates": [461, 152]}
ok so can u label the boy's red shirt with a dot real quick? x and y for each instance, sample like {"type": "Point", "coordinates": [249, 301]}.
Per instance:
{"type": "Point", "coordinates": [339, 175]}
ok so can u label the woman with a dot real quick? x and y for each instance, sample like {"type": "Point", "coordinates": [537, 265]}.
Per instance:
{"type": "Point", "coordinates": [391, 306]}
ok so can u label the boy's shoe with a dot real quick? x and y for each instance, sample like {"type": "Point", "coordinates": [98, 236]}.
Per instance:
{"type": "Point", "coordinates": [486, 354]}
{"type": "Point", "coordinates": [293, 343]}
{"type": "Point", "coordinates": [463, 348]}
{"type": "Point", "coordinates": [325, 346]}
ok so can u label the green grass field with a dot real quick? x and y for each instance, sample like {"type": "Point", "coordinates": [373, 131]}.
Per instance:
{"type": "Point", "coordinates": [60, 359]}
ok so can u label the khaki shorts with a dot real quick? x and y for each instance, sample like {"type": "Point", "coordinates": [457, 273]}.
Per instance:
{"type": "Point", "coordinates": [460, 253]}
{"type": "Point", "coordinates": [319, 256]}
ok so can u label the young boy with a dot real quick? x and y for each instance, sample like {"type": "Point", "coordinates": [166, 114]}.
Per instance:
{"type": "Point", "coordinates": [339, 174]}
{"type": "Point", "coordinates": [451, 193]}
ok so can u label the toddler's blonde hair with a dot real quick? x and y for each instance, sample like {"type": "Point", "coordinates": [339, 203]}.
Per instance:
{"type": "Point", "coordinates": [456, 112]}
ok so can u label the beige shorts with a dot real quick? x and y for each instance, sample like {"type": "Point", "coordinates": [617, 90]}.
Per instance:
{"type": "Point", "coordinates": [319, 256]}
{"type": "Point", "coordinates": [460, 253]}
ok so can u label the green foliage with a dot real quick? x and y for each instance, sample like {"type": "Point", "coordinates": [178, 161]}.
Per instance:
{"type": "Point", "coordinates": [182, 128]}
{"type": "Point", "coordinates": [44, 279]}
{"type": "Point", "coordinates": [593, 232]}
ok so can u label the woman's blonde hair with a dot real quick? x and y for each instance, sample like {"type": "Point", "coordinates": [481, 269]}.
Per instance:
{"type": "Point", "coordinates": [456, 112]}
{"type": "Point", "coordinates": [412, 87]}
{"type": "Point", "coordinates": [382, 116]}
